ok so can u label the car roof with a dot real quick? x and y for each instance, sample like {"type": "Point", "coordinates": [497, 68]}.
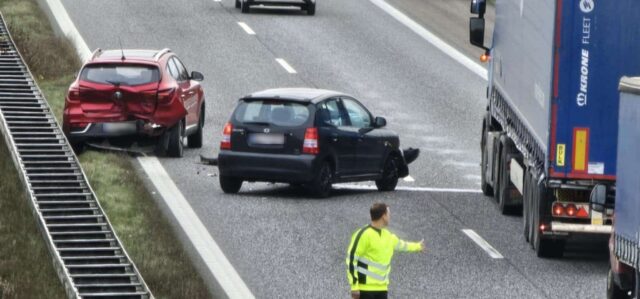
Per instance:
{"type": "Point", "coordinates": [303, 95]}
{"type": "Point", "coordinates": [144, 55]}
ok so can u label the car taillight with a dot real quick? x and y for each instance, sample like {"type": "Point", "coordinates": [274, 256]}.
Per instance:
{"type": "Point", "coordinates": [166, 95]}
{"type": "Point", "coordinates": [310, 144]}
{"type": "Point", "coordinates": [73, 95]}
{"type": "Point", "coordinates": [225, 144]}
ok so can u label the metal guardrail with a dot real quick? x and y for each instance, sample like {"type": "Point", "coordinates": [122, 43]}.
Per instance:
{"type": "Point", "coordinates": [87, 254]}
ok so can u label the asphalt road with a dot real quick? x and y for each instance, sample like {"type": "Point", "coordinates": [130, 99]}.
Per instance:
{"type": "Point", "coordinates": [285, 245]}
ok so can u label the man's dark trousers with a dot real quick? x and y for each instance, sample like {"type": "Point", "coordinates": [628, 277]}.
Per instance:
{"type": "Point", "coordinates": [373, 294]}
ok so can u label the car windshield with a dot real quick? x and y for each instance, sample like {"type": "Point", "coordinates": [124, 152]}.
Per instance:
{"type": "Point", "coordinates": [270, 112]}
{"type": "Point", "coordinates": [120, 74]}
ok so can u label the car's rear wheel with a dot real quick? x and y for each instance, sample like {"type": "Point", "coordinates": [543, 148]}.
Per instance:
{"type": "Point", "coordinates": [77, 146]}
{"type": "Point", "coordinates": [321, 185]}
{"type": "Point", "coordinates": [237, 3]}
{"type": "Point", "coordinates": [230, 185]}
{"type": "Point", "coordinates": [195, 140]}
{"type": "Point", "coordinates": [245, 6]}
{"type": "Point", "coordinates": [389, 179]}
{"type": "Point", "coordinates": [176, 146]}
{"type": "Point", "coordinates": [311, 8]}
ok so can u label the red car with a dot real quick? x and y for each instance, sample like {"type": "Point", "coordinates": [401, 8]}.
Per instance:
{"type": "Point", "coordinates": [136, 95]}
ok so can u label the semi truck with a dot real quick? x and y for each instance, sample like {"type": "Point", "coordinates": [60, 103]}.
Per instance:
{"type": "Point", "coordinates": [549, 136]}
{"type": "Point", "coordinates": [625, 240]}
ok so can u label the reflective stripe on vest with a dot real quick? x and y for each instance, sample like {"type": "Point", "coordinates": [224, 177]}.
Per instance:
{"type": "Point", "coordinates": [402, 246]}
{"type": "Point", "coordinates": [369, 263]}
{"type": "Point", "coordinates": [371, 274]}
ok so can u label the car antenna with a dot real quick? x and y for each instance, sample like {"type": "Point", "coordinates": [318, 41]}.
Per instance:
{"type": "Point", "coordinates": [121, 49]}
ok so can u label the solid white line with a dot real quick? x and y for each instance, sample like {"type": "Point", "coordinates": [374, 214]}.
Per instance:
{"type": "Point", "coordinates": [409, 179]}
{"type": "Point", "coordinates": [286, 66]}
{"type": "Point", "coordinates": [246, 28]}
{"type": "Point", "coordinates": [493, 253]}
{"type": "Point", "coordinates": [432, 38]}
{"type": "Point", "coordinates": [226, 276]}
{"type": "Point", "coordinates": [403, 188]}
{"type": "Point", "coordinates": [197, 233]}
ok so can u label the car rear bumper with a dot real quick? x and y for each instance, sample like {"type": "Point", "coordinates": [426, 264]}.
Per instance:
{"type": "Point", "coordinates": [267, 167]}
{"type": "Point", "coordinates": [115, 129]}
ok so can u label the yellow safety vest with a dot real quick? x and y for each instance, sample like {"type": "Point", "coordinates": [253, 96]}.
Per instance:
{"type": "Point", "coordinates": [369, 257]}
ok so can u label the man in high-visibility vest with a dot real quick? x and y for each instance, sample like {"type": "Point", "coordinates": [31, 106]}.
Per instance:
{"type": "Point", "coordinates": [370, 252]}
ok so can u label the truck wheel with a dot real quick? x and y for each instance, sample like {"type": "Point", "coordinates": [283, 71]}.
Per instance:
{"type": "Point", "coordinates": [320, 187]}
{"type": "Point", "coordinates": [487, 190]}
{"type": "Point", "coordinates": [543, 246]}
{"type": "Point", "coordinates": [506, 188]}
{"type": "Point", "coordinates": [244, 6]}
{"type": "Point", "coordinates": [175, 147]}
{"type": "Point", "coordinates": [526, 207]}
{"type": "Point", "coordinates": [237, 3]}
{"type": "Point", "coordinates": [389, 179]}
{"type": "Point", "coordinates": [195, 140]}
{"type": "Point", "coordinates": [230, 185]}
{"type": "Point", "coordinates": [613, 290]}
{"type": "Point", "coordinates": [311, 8]}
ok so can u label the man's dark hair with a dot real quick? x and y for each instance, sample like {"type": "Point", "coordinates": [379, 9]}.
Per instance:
{"type": "Point", "coordinates": [378, 210]}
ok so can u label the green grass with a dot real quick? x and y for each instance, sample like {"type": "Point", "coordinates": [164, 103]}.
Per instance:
{"type": "Point", "coordinates": [145, 233]}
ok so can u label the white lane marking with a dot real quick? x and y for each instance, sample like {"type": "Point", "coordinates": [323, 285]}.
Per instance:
{"type": "Point", "coordinates": [493, 253]}
{"type": "Point", "coordinates": [432, 38]}
{"type": "Point", "coordinates": [198, 235]}
{"type": "Point", "coordinates": [403, 188]}
{"type": "Point", "coordinates": [217, 0]}
{"type": "Point", "coordinates": [409, 179]}
{"type": "Point", "coordinates": [286, 66]}
{"type": "Point", "coordinates": [246, 28]}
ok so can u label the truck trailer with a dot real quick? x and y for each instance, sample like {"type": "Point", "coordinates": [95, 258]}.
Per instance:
{"type": "Point", "coordinates": [625, 240]}
{"type": "Point", "coordinates": [550, 131]}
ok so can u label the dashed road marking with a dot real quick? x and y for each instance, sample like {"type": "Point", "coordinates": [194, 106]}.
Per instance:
{"type": "Point", "coordinates": [404, 188]}
{"type": "Point", "coordinates": [286, 66]}
{"type": "Point", "coordinates": [432, 39]}
{"type": "Point", "coordinates": [246, 28]}
{"type": "Point", "coordinates": [492, 252]}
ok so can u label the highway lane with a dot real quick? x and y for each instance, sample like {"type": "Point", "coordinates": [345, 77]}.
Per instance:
{"type": "Point", "coordinates": [286, 245]}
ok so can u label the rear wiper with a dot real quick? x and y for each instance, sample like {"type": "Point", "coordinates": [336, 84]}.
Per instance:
{"type": "Point", "coordinates": [259, 123]}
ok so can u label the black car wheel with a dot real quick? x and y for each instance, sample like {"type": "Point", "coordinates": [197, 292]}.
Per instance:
{"type": "Point", "coordinates": [237, 3]}
{"type": "Point", "coordinates": [175, 147]}
{"type": "Point", "coordinates": [195, 140]}
{"type": "Point", "coordinates": [245, 6]}
{"type": "Point", "coordinates": [311, 8]}
{"type": "Point", "coordinates": [321, 185]}
{"type": "Point", "coordinates": [230, 185]}
{"type": "Point", "coordinates": [389, 179]}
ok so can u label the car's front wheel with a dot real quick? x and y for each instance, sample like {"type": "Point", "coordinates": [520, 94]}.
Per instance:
{"type": "Point", "coordinates": [176, 147]}
{"type": "Point", "coordinates": [230, 185]}
{"type": "Point", "coordinates": [389, 179]}
{"type": "Point", "coordinates": [321, 185]}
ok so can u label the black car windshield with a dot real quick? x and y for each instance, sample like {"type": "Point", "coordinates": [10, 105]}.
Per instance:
{"type": "Point", "coordinates": [271, 112]}
{"type": "Point", "coordinates": [118, 74]}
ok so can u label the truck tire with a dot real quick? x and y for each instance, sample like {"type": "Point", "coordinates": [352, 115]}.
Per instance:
{"type": "Point", "coordinates": [175, 148]}
{"type": "Point", "coordinates": [389, 179]}
{"type": "Point", "coordinates": [543, 246]}
{"type": "Point", "coordinates": [244, 6]}
{"type": "Point", "coordinates": [230, 185]}
{"type": "Point", "coordinates": [526, 207]}
{"type": "Point", "coordinates": [320, 187]}
{"type": "Point", "coordinates": [505, 200]}
{"type": "Point", "coordinates": [195, 140]}
{"type": "Point", "coordinates": [613, 290]}
{"type": "Point", "coordinates": [487, 190]}
{"type": "Point", "coordinates": [238, 4]}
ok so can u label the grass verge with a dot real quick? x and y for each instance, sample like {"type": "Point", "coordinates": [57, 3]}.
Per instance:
{"type": "Point", "coordinates": [146, 234]}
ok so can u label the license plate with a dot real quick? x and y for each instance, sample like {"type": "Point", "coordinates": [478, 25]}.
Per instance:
{"type": "Point", "coordinates": [119, 128]}
{"type": "Point", "coordinates": [266, 139]}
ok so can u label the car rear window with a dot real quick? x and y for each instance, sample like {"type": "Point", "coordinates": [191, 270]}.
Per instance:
{"type": "Point", "coordinates": [120, 74]}
{"type": "Point", "coordinates": [270, 112]}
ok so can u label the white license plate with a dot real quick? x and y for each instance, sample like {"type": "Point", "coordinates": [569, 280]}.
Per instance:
{"type": "Point", "coordinates": [266, 139]}
{"type": "Point", "coordinates": [120, 128]}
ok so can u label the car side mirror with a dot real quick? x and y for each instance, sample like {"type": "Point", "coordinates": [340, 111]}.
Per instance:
{"type": "Point", "coordinates": [598, 198]}
{"type": "Point", "coordinates": [379, 122]}
{"type": "Point", "coordinates": [478, 7]}
{"type": "Point", "coordinates": [476, 32]}
{"type": "Point", "coordinates": [197, 76]}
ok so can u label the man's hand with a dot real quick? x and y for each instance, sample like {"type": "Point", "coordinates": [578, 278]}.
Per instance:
{"type": "Point", "coordinates": [355, 294]}
{"type": "Point", "coordinates": [422, 249]}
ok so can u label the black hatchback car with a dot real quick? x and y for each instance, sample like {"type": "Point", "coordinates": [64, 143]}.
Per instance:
{"type": "Point", "coordinates": [309, 137]}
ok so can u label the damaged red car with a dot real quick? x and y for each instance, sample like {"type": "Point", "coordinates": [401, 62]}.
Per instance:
{"type": "Point", "coordinates": [143, 96]}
